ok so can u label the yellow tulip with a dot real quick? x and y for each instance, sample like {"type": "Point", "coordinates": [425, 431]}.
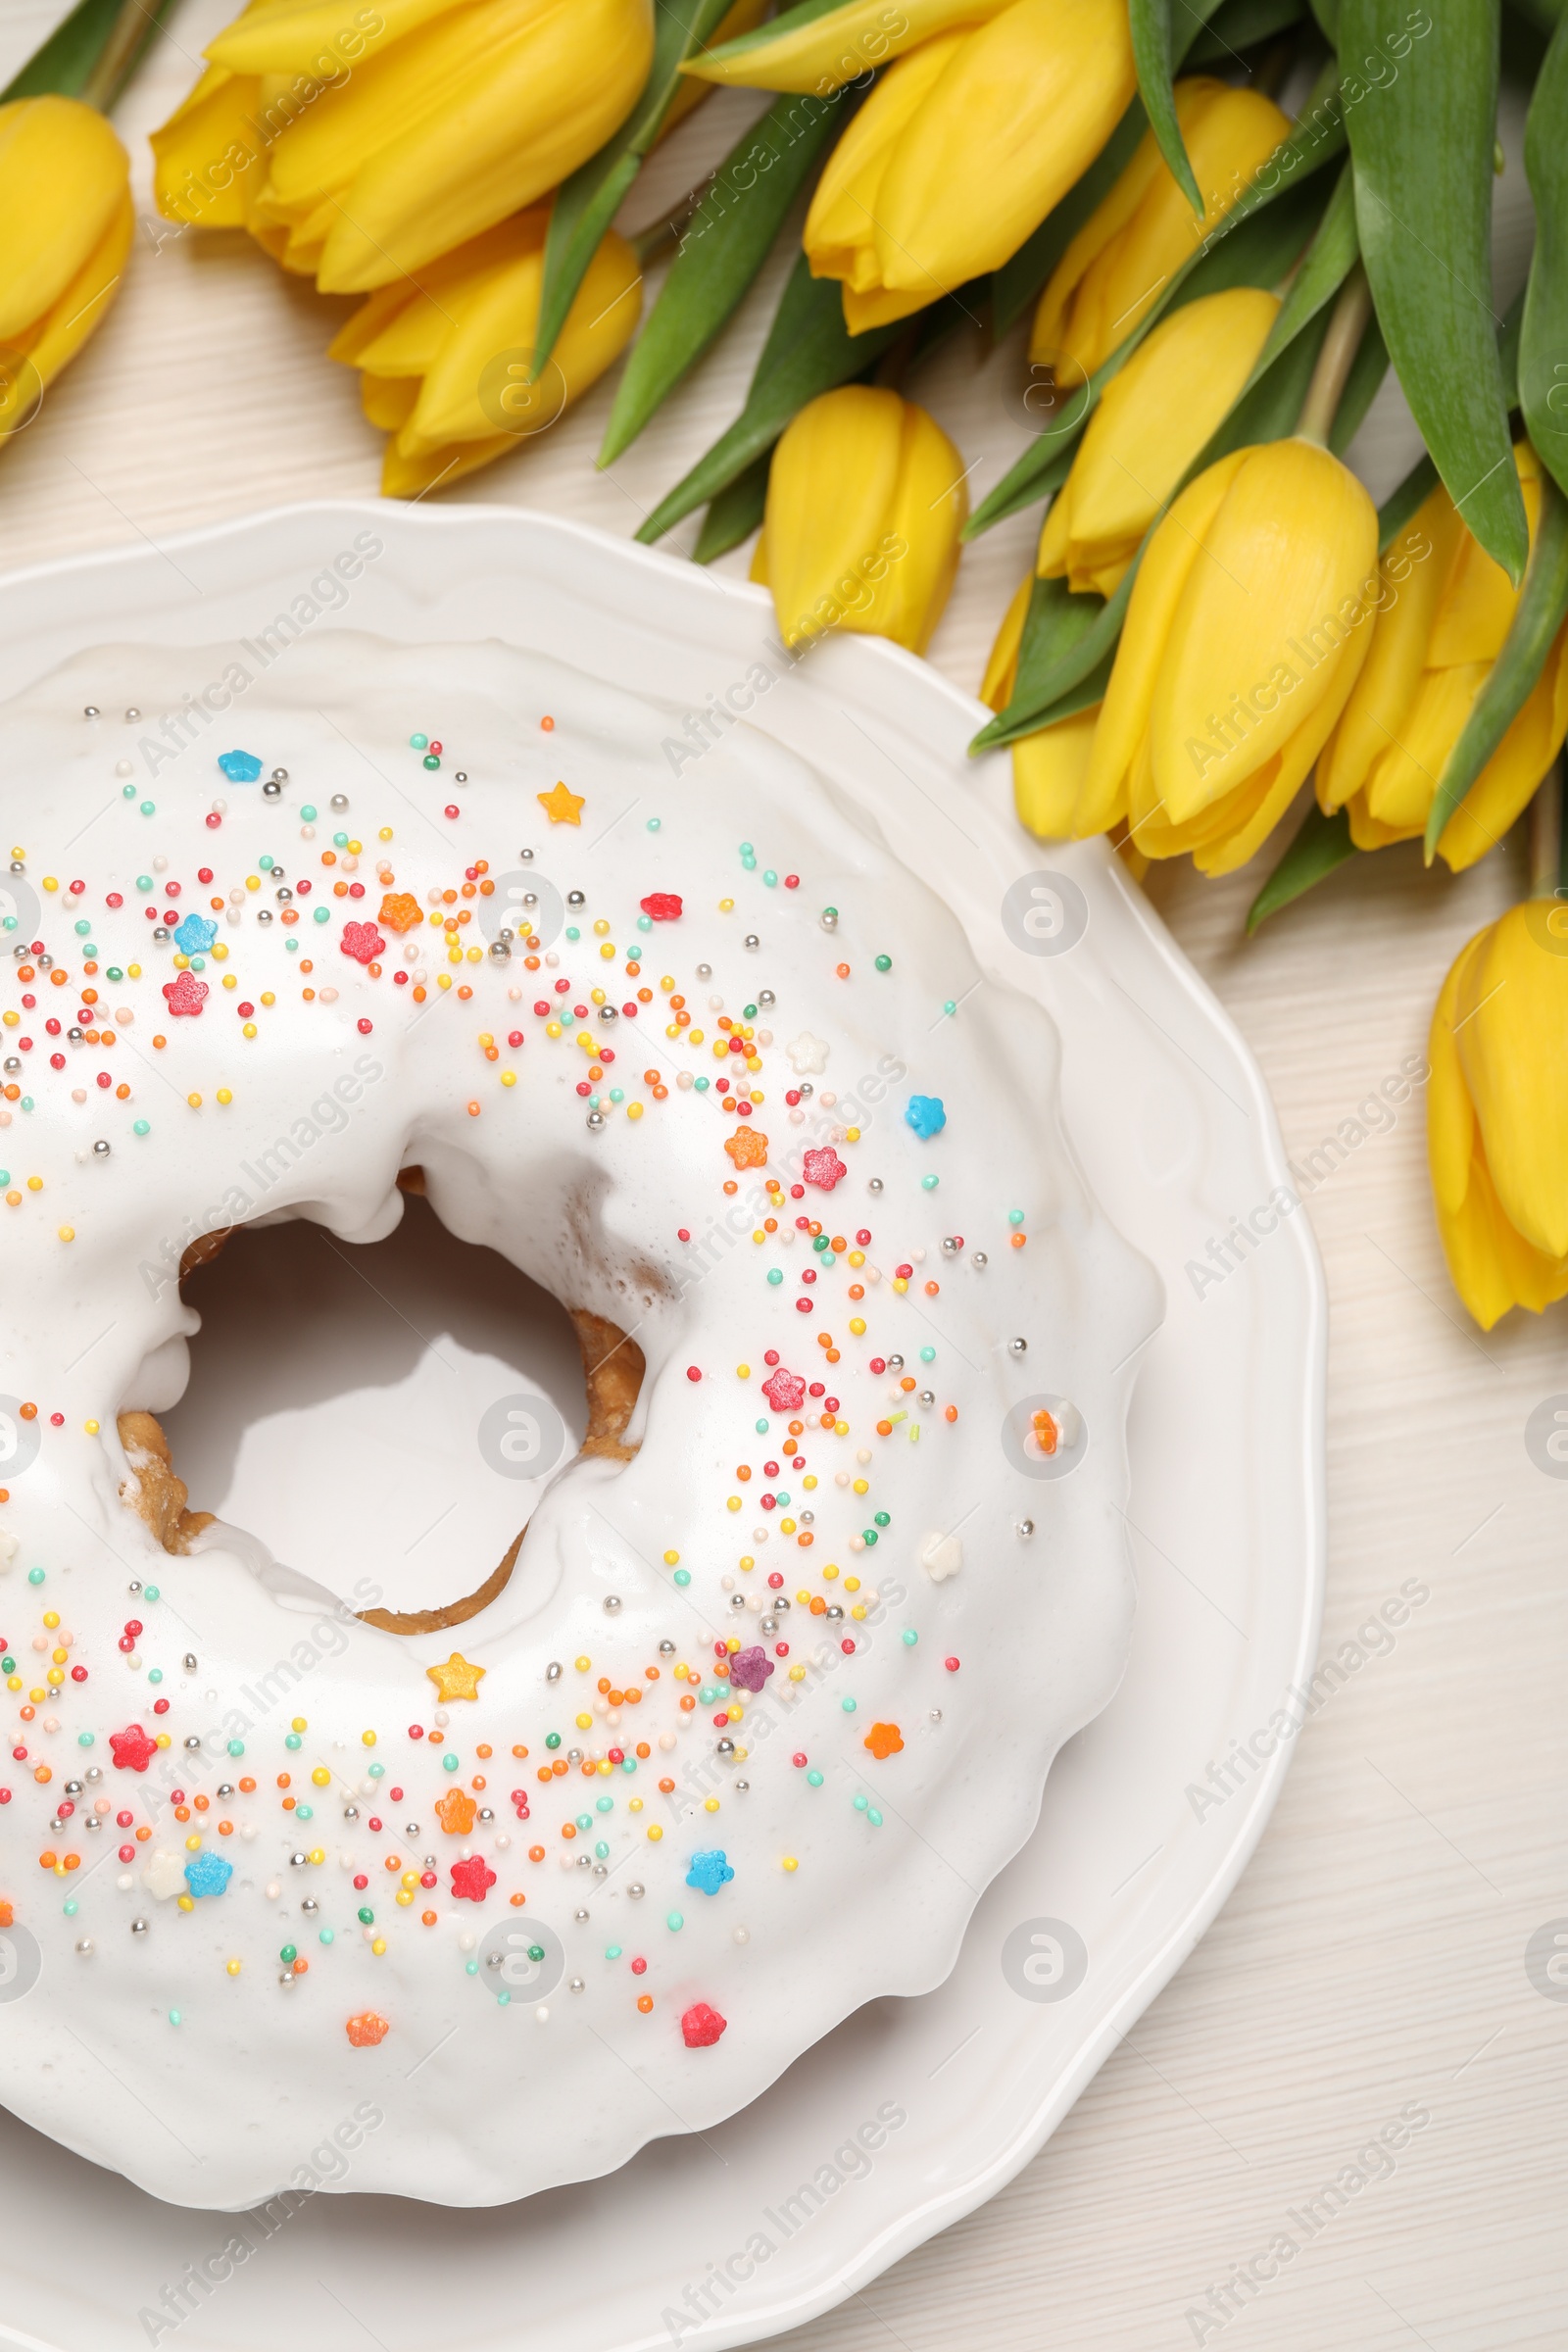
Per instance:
{"type": "Point", "coordinates": [1135, 241]}
{"type": "Point", "coordinates": [358, 149]}
{"type": "Point", "coordinates": [1153, 418]}
{"type": "Point", "coordinates": [66, 205]}
{"type": "Point", "coordinates": [1250, 618]}
{"type": "Point", "coordinates": [865, 502]}
{"type": "Point", "coordinates": [962, 150]}
{"type": "Point", "coordinates": [1443, 611]}
{"type": "Point", "coordinates": [1498, 1114]}
{"type": "Point", "coordinates": [446, 360]}
{"type": "Point", "coordinates": [839, 47]}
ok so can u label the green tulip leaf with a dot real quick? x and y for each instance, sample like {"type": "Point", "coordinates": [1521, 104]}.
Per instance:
{"type": "Point", "coordinates": [1315, 139]}
{"type": "Point", "coordinates": [1055, 622]}
{"type": "Point", "coordinates": [96, 51]}
{"type": "Point", "coordinates": [1543, 333]}
{"type": "Point", "coordinates": [1537, 617]}
{"type": "Point", "coordinates": [722, 247]}
{"type": "Point", "coordinates": [586, 204]}
{"type": "Point", "coordinates": [1422, 137]}
{"type": "Point", "coordinates": [809, 350]}
{"type": "Point", "coordinates": [1327, 12]}
{"type": "Point", "coordinates": [1239, 25]}
{"type": "Point", "coordinates": [761, 37]}
{"type": "Point", "coordinates": [1321, 844]}
{"type": "Point", "coordinates": [736, 512]}
{"type": "Point", "coordinates": [1154, 40]}
{"type": "Point", "coordinates": [1330, 257]}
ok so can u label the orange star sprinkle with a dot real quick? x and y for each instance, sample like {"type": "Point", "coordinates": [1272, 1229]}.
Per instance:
{"type": "Point", "coordinates": [562, 808]}
{"type": "Point", "coordinates": [400, 911]}
{"type": "Point", "coordinates": [454, 1812]}
{"type": "Point", "coordinates": [884, 1740]}
{"type": "Point", "coordinates": [367, 2029]}
{"type": "Point", "coordinates": [746, 1147]}
{"type": "Point", "coordinates": [457, 1678]}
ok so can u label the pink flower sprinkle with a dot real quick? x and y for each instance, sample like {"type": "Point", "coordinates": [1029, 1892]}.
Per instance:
{"type": "Point", "coordinates": [823, 1168]}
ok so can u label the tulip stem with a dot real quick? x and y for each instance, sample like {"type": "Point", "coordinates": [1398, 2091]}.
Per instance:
{"type": "Point", "coordinates": [135, 24]}
{"type": "Point", "coordinates": [1336, 359]}
{"type": "Point", "coordinates": [1546, 833]}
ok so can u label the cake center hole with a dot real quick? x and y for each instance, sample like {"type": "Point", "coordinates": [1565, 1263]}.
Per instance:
{"type": "Point", "coordinates": [383, 1417]}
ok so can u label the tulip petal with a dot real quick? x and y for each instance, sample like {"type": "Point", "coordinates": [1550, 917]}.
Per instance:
{"type": "Point", "coordinates": [497, 314]}
{"type": "Point", "coordinates": [1275, 617]}
{"type": "Point", "coordinates": [63, 178]}
{"type": "Point", "coordinates": [80, 309]}
{"type": "Point", "coordinates": [317, 37]}
{"type": "Point", "coordinates": [206, 158]}
{"type": "Point", "coordinates": [1050, 776]}
{"type": "Point", "coordinates": [829, 496]}
{"type": "Point", "coordinates": [1511, 1026]}
{"type": "Point", "coordinates": [823, 50]}
{"type": "Point", "coordinates": [840, 235]}
{"type": "Point", "coordinates": [1023, 110]}
{"type": "Point", "coordinates": [1411, 591]}
{"type": "Point", "coordinates": [1002, 669]}
{"type": "Point", "coordinates": [930, 507]}
{"type": "Point", "coordinates": [501, 123]}
{"type": "Point", "coordinates": [415, 477]}
{"type": "Point", "coordinates": [1156, 594]}
{"type": "Point", "coordinates": [1140, 442]}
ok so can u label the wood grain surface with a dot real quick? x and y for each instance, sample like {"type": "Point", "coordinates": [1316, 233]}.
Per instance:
{"type": "Point", "coordinates": [1373, 1955]}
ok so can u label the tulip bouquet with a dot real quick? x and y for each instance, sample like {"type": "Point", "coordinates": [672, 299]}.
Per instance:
{"type": "Point", "coordinates": [1222, 219]}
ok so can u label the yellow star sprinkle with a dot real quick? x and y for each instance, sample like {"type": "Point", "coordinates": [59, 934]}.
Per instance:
{"type": "Point", "coordinates": [562, 808]}
{"type": "Point", "coordinates": [457, 1679]}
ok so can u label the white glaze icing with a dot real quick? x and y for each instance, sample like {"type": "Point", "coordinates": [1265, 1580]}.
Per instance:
{"type": "Point", "coordinates": [483, 2100]}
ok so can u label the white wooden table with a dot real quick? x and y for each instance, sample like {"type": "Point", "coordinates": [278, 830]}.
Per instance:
{"type": "Point", "coordinates": [1374, 1953]}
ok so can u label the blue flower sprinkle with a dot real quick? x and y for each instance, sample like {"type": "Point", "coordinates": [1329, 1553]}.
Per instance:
{"type": "Point", "coordinates": [240, 767]}
{"type": "Point", "coordinates": [709, 1871]}
{"type": "Point", "coordinates": [925, 1115]}
{"type": "Point", "coordinates": [195, 934]}
{"type": "Point", "coordinates": [208, 1874]}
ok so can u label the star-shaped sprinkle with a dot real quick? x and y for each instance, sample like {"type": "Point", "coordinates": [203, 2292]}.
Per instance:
{"type": "Point", "coordinates": [750, 1669]}
{"type": "Point", "coordinates": [807, 1055]}
{"type": "Point", "coordinates": [399, 911]}
{"type": "Point", "coordinates": [457, 1678]}
{"type": "Point", "coordinates": [185, 994]}
{"type": "Point", "coordinates": [562, 808]}
{"type": "Point", "coordinates": [701, 2026]}
{"type": "Point", "coordinates": [364, 942]}
{"type": "Point", "coordinates": [471, 1877]}
{"type": "Point", "coordinates": [132, 1749]}
{"type": "Point", "coordinates": [746, 1147]}
{"type": "Point", "coordinates": [208, 1874]}
{"type": "Point", "coordinates": [240, 767]}
{"type": "Point", "coordinates": [926, 1115]}
{"type": "Point", "coordinates": [709, 1871]}
{"type": "Point", "coordinates": [367, 2029]}
{"type": "Point", "coordinates": [195, 934]}
{"type": "Point", "coordinates": [884, 1740]}
{"type": "Point", "coordinates": [823, 1168]}
{"type": "Point", "coordinates": [454, 1812]}
{"type": "Point", "coordinates": [784, 1390]}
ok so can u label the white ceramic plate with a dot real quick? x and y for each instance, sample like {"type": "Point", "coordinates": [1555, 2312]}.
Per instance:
{"type": "Point", "coordinates": [779, 2214]}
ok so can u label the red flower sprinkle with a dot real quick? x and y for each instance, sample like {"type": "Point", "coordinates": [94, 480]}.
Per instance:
{"type": "Point", "coordinates": [185, 994]}
{"type": "Point", "coordinates": [823, 1168]}
{"type": "Point", "coordinates": [701, 2026]}
{"type": "Point", "coordinates": [471, 1879]}
{"type": "Point", "coordinates": [784, 1391]}
{"type": "Point", "coordinates": [132, 1750]}
{"type": "Point", "coordinates": [664, 906]}
{"type": "Point", "coordinates": [364, 942]}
